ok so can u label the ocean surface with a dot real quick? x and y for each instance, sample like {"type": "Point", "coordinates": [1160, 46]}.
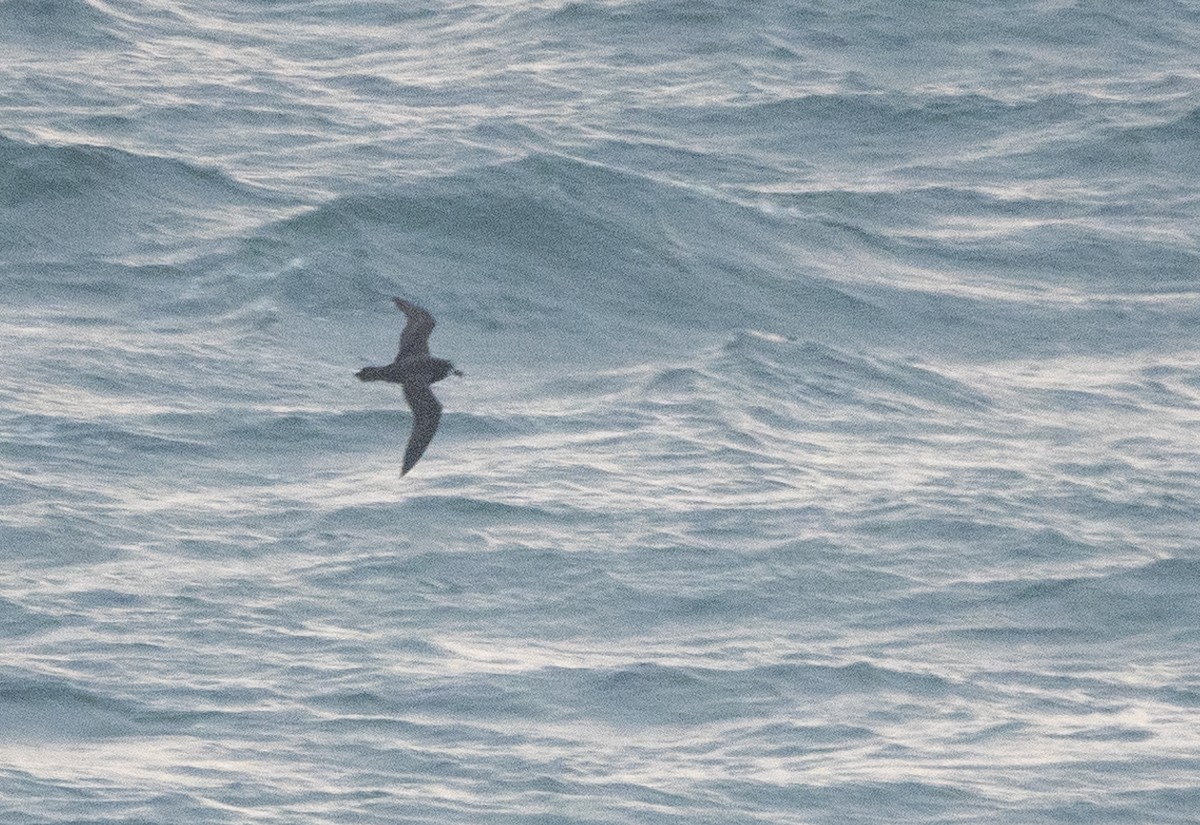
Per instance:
{"type": "Point", "coordinates": [828, 449]}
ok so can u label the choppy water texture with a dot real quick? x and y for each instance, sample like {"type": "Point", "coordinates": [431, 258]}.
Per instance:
{"type": "Point", "coordinates": [827, 451]}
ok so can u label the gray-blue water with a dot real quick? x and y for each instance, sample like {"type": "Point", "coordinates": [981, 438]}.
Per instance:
{"type": "Point", "coordinates": [828, 448]}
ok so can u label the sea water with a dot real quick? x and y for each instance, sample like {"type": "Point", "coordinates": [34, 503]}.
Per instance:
{"type": "Point", "coordinates": [827, 451]}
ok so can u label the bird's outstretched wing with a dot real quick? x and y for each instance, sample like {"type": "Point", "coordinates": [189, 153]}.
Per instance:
{"type": "Point", "coordinates": [427, 412]}
{"type": "Point", "coordinates": [415, 338]}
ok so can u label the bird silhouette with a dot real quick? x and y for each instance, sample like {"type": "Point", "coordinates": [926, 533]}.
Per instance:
{"type": "Point", "coordinates": [415, 370]}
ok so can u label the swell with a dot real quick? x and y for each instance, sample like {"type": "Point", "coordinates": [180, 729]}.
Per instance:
{"type": "Point", "coordinates": [558, 245]}
{"type": "Point", "coordinates": [53, 24]}
{"type": "Point", "coordinates": [598, 258]}
{"type": "Point", "coordinates": [97, 200]}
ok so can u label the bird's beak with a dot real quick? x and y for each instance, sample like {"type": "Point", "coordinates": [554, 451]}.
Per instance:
{"type": "Point", "coordinates": [459, 373]}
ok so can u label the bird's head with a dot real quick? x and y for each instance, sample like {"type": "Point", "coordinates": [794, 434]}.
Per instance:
{"type": "Point", "coordinates": [439, 368]}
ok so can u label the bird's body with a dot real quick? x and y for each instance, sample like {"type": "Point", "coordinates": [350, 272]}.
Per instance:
{"type": "Point", "coordinates": [416, 370]}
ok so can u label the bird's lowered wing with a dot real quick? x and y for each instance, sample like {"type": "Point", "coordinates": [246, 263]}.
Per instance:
{"type": "Point", "coordinates": [427, 412]}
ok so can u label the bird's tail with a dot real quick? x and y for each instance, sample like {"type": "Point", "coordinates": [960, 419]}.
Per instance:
{"type": "Point", "coordinates": [370, 374]}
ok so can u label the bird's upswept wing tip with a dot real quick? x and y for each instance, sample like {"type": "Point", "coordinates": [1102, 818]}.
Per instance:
{"type": "Point", "coordinates": [414, 340]}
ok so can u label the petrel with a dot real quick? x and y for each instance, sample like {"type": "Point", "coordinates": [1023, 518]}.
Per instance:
{"type": "Point", "coordinates": [415, 370]}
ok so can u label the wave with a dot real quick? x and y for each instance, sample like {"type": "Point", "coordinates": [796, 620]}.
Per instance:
{"type": "Point", "coordinates": [98, 201]}
{"type": "Point", "coordinates": [52, 24]}
{"type": "Point", "coordinates": [935, 122]}
{"type": "Point", "coordinates": [590, 256]}
{"type": "Point", "coordinates": [547, 243]}
{"type": "Point", "coordinates": [755, 361]}
{"type": "Point", "coordinates": [566, 254]}
{"type": "Point", "coordinates": [43, 708]}
{"type": "Point", "coordinates": [636, 15]}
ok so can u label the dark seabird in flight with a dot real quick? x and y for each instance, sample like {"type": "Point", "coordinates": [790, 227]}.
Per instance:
{"type": "Point", "coordinates": [415, 369]}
